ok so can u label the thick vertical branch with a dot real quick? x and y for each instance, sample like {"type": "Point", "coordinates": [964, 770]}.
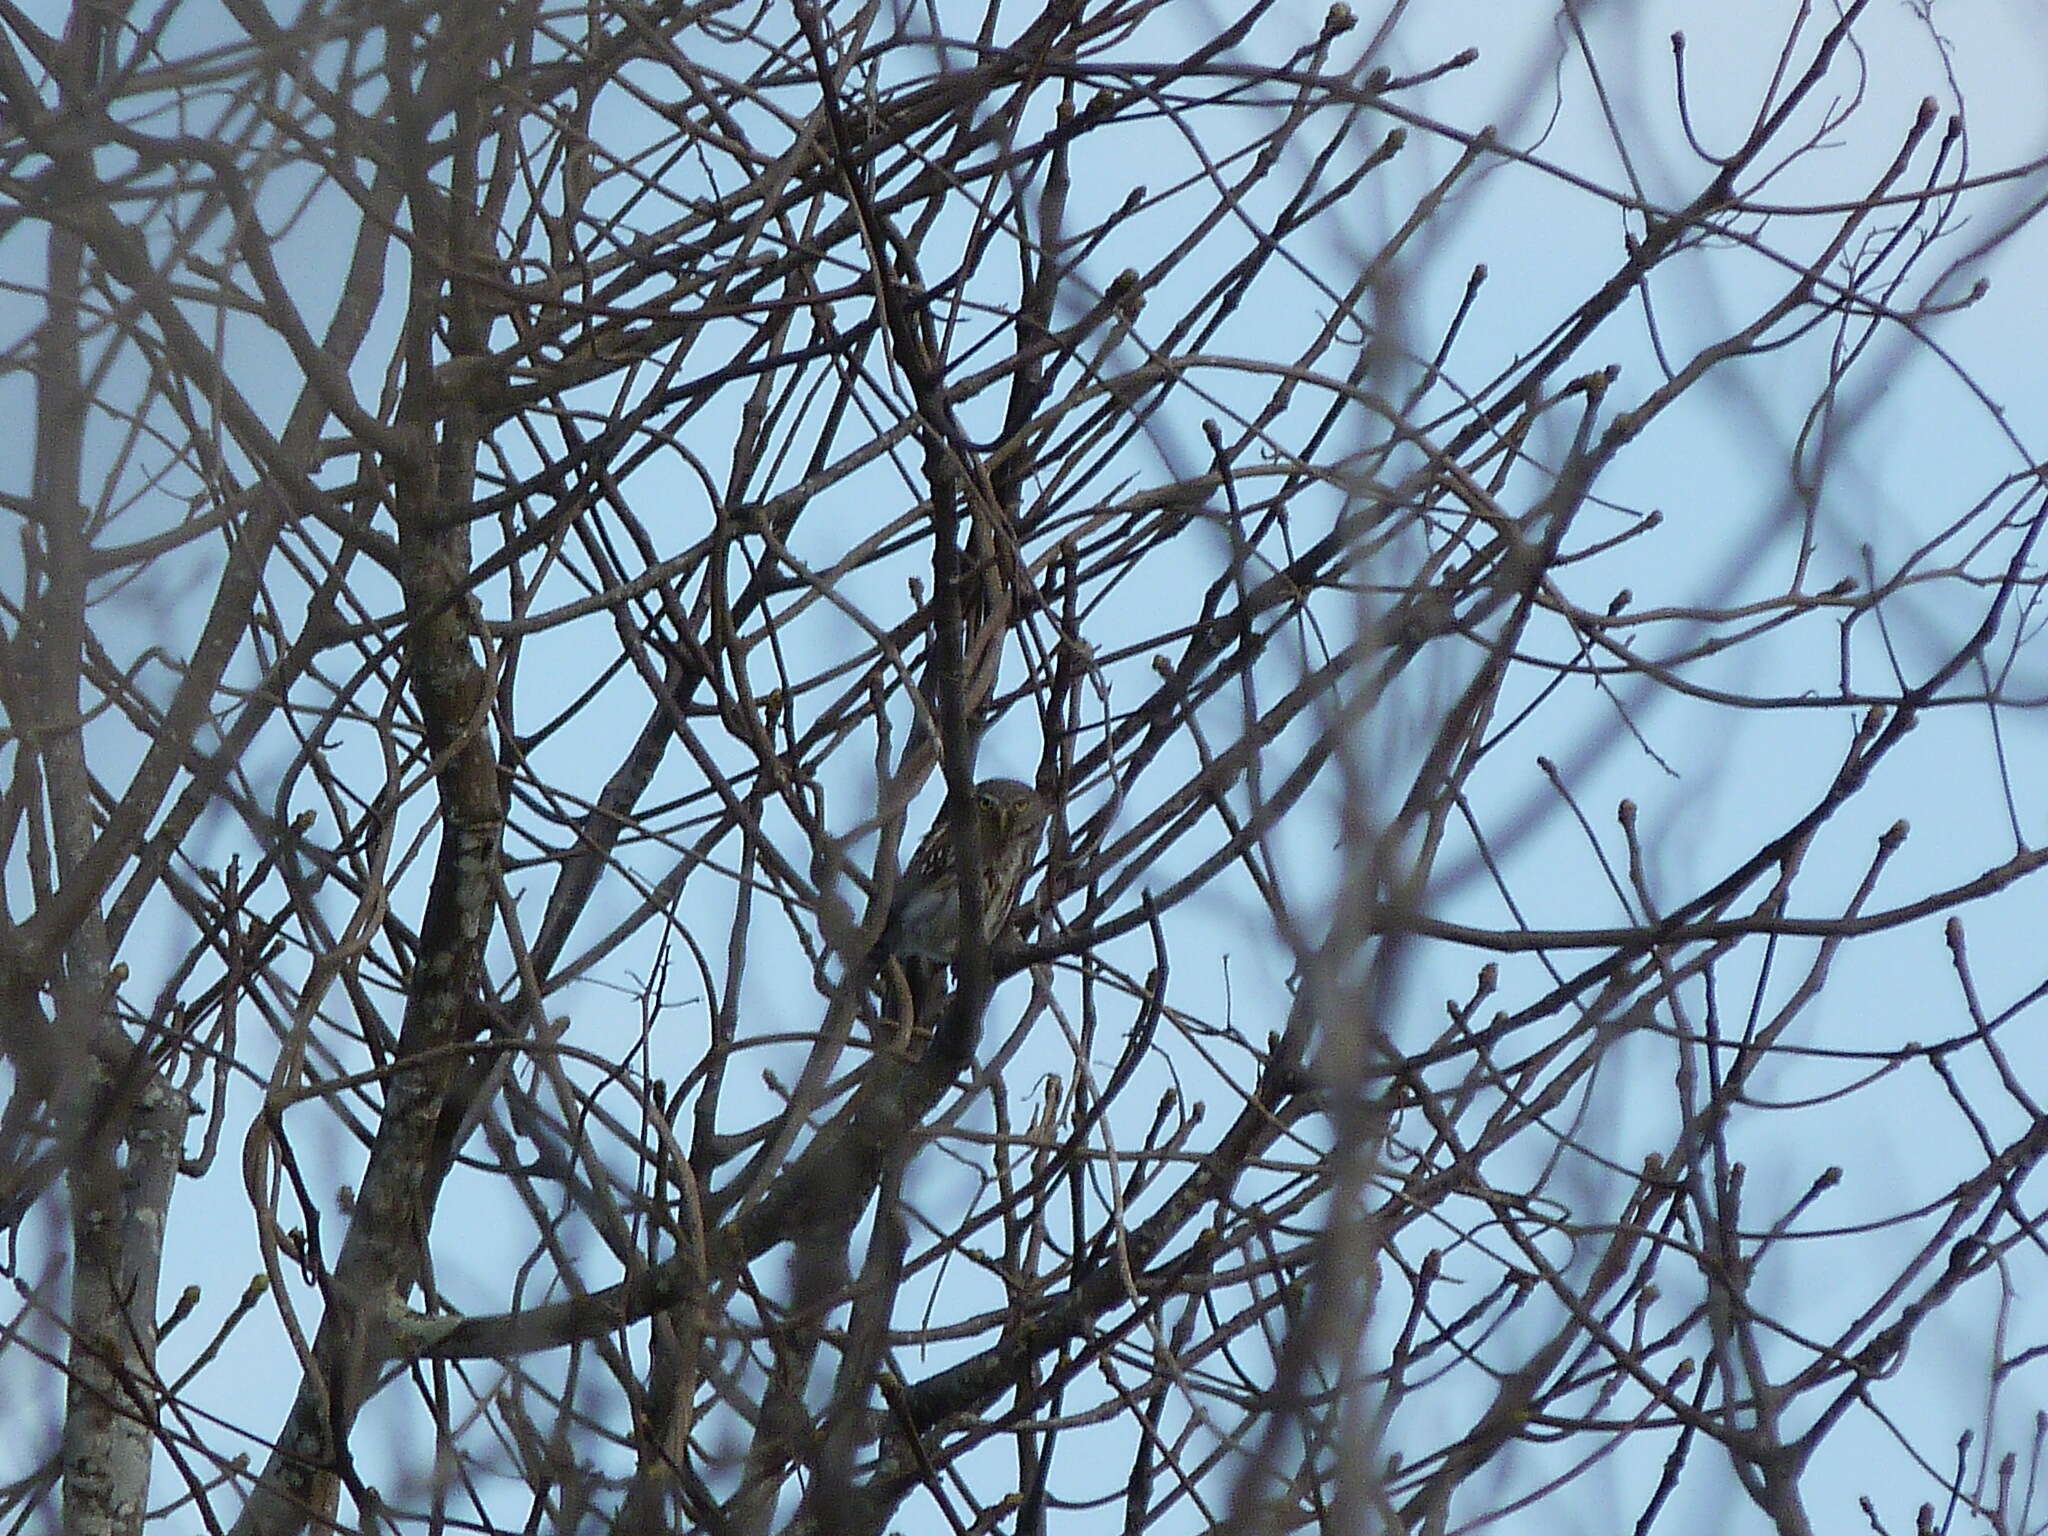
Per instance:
{"type": "Point", "coordinates": [121, 1128]}
{"type": "Point", "coordinates": [431, 481]}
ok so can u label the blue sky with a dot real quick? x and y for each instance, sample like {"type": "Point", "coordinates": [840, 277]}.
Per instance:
{"type": "Point", "coordinates": [1915, 449]}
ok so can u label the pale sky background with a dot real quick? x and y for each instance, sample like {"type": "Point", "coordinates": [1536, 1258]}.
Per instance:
{"type": "Point", "coordinates": [1920, 451]}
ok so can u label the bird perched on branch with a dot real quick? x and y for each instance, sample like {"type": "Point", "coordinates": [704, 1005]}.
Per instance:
{"type": "Point", "coordinates": [923, 932]}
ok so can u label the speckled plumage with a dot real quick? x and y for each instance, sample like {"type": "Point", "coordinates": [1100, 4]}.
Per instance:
{"type": "Point", "coordinates": [924, 921]}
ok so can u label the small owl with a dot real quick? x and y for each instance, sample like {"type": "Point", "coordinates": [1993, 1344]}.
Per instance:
{"type": "Point", "coordinates": [924, 922]}
{"type": "Point", "coordinates": [922, 936]}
